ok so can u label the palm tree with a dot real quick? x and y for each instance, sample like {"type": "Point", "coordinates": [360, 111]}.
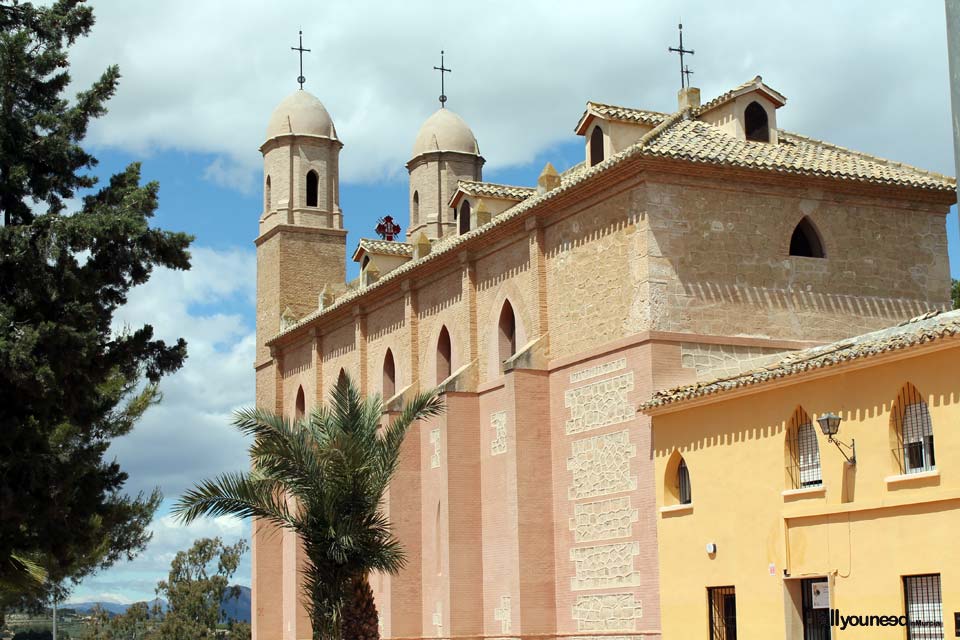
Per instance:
{"type": "Point", "coordinates": [323, 477]}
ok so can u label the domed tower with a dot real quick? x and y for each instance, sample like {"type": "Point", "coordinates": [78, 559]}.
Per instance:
{"type": "Point", "coordinates": [444, 152]}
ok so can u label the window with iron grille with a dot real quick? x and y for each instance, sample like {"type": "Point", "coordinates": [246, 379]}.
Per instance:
{"type": "Point", "coordinates": [683, 483]}
{"type": "Point", "coordinates": [923, 606]}
{"type": "Point", "coordinates": [803, 460]}
{"type": "Point", "coordinates": [914, 432]}
{"type": "Point", "coordinates": [722, 602]}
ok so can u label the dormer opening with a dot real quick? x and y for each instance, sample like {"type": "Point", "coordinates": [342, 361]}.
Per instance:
{"type": "Point", "coordinates": [366, 261]}
{"type": "Point", "coordinates": [464, 217]}
{"type": "Point", "coordinates": [596, 146]}
{"type": "Point", "coordinates": [755, 123]}
{"type": "Point", "coordinates": [313, 182]}
{"type": "Point", "coordinates": [805, 241]}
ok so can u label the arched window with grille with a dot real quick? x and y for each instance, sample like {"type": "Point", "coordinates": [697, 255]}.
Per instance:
{"type": "Point", "coordinates": [507, 331]}
{"type": "Point", "coordinates": [805, 241]}
{"type": "Point", "coordinates": [914, 432]}
{"type": "Point", "coordinates": [443, 355]}
{"type": "Point", "coordinates": [596, 146]}
{"type": "Point", "coordinates": [313, 184]}
{"type": "Point", "coordinates": [684, 495]}
{"type": "Point", "coordinates": [755, 123]}
{"type": "Point", "coordinates": [389, 376]}
{"type": "Point", "coordinates": [803, 452]}
{"type": "Point", "coordinates": [301, 406]}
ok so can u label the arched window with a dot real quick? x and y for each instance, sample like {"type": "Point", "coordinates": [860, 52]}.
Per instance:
{"type": "Point", "coordinates": [803, 452]}
{"type": "Point", "coordinates": [366, 261]}
{"type": "Point", "coordinates": [389, 376]}
{"type": "Point", "coordinates": [805, 241]}
{"type": "Point", "coordinates": [683, 483]}
{"type": "Point", "coordinates": [464, 217]}
{"type": "Point", "coordinates": [755, 123]}
{"type": "Point", "coordinates": [443, 355]}
{"type": "Point", "coordinates": [914, 431]}
{"type": "Point", "coordinates": [301, 404]}
{"type": "Point", "coordinates": [415, 209]}
{"type": "Point", "coordinates": [342, 379]}
{"type": "Point", "coordinates": [507, 332]}
{"type": "Point", "coordinates": [267, 195]}
{"type": "Point", "coordinates": [596, 146]}
{"type": "Point", "coordinates": [313, 182]}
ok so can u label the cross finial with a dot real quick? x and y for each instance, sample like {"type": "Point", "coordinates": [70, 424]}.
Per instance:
{"type": "Point", "coordinates": [300, 78]}
{"type": "Point", "coordinates": [442, 70]}
{"type": "Point", "coordinates": [684, 72]}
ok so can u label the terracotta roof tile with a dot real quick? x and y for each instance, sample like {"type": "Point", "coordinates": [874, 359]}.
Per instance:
{"type": "Point", "coordinates": [926, 328]}
{"type": "Point", "coordinates": [626, 114]}
{"type": "Point", "coordinates": [386, 247]}
{"type": "Point", "coordinates": [493, 190]}
{"type": "Point", "coordinates": [755, 83]}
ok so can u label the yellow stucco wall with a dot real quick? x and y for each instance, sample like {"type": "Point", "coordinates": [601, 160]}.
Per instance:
{"type": "Point", "coordinates": [863, 532]}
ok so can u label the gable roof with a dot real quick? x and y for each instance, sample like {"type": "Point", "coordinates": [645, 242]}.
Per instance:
{"type": "Point", "coordinates": [491, 190]}
{"type": "Point", "coordinates": [929, 327]}
{"type": "Point", "coordinates": [757, 84]}
{"type": "Point", "coordinates": [620, 114]}
{"type": "Point", "coordinates": [382, 248]}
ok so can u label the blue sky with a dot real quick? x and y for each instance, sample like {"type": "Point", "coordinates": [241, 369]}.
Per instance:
{"type": "Point", "coordinates": [200, 80]}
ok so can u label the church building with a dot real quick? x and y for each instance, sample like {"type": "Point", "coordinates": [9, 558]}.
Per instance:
{"type": "Point", "coordinates": [686, 245]}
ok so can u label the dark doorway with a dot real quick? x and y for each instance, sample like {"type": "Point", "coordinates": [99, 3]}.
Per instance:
{"type": "Point", "coordinates": [816, 621]}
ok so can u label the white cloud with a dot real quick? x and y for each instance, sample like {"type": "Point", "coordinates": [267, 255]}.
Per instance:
{"type": "Point", "coordinates": [205, 76]}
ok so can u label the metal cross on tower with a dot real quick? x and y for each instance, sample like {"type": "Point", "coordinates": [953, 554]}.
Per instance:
{"type": "Point", "coordinates": [442, 70]}
{"type": "Point", "coordinates": [687, 73]}
{"type": "Point", "coordinates": [300, 78]}
{"type": "Point", "coordinates": [684, 80]}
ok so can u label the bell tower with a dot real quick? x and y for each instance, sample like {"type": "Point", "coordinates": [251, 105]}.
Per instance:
{"type": "Point", "coordinates": [301, 248]}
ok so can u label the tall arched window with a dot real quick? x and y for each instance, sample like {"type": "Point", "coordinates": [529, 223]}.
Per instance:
{"type": "Point", "coordinates": [267, 195]}
{"type": "Point", "coordinates": [313, 182]}
{"type": "Point", "coordinates": [507, 331]}
{"type": "Point", "coordinates": [755, 123]}
{"type": "Point", "coordinates": [683, 483]}
{"type": "Point", "coordinates": [676, 481]}
{"type": "Point", "coordinates": [443, 355]}
{"type": "Point", "coordinates": [805, 241]}
{"type": "Point", "coordinates": [803, 452]}
{"type": "Point", "coordinates": [596, 146]}
{"type": "Point", "coordinates": [464, 217]}
{"type": "Point", "coordinates": [389, 376]}
{"type": "Point", "coordinates": [342, 379]}
{"type": "Point", "coordinates": [301, 404]}
{"type": "Point", "coordinates": [415, 208]}
{"type": "Point", "coordinates": [914, 431]}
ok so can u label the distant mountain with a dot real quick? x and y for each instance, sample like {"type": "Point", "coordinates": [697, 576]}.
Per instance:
{"type": "Point", "coordinates": [235, 608]}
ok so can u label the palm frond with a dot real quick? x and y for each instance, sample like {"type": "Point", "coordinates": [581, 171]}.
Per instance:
{"type": "Point", "coordinates": [236, 494]}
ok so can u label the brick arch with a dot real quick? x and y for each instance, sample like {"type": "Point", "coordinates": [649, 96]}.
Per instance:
{"type": "Point", "coordinates": [459, 347]}
{"type": "Point", "coordinates": [799, 220]}
{"type": "Point", "coordinates": [489, 326]}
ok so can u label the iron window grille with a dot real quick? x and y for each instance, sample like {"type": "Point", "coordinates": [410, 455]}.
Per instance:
{"type": "Point", "coordinates": [803, 466]}
{"type": "Point", "coordinates": [683, 483]}
{"type": "Point", "coordinates": [914, 432]}
{"type": "Point", "coordinates": [924, 607]}
{"type": "Point", "coordinates": [722, 602]}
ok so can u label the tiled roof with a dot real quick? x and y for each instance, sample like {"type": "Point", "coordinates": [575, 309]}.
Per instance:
{"type": "Point", "coordinates": [385, 247]}
{"type": "Point", "coordinates": [702, 142]}
{"type": "Point", "coordinates": [926, 328]}
{"type": "Point", "coordinates": [622, 114]}
{"type": "Point", "coordinates": [493, 190]}
{"type": "Point", "coordinates": [756, 83]}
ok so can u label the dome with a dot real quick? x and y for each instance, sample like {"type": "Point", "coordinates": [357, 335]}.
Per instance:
{"type": "Point", "coordinates": [303, 114]}
{"type": "Point", "coordinates": [445, 131]}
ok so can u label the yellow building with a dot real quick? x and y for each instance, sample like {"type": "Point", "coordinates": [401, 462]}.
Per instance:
{"type": "Point", "coordinates": [766, 530]}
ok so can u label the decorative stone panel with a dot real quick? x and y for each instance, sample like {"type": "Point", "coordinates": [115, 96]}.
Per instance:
{"type": "Point", "coordinates": [605, 566]}
{"type": "Point", "coordinates": [435, 456]}
{"type": "Point", "coordinates": [503, 614]}
{"type": "Point", "coordinates": [498, 424]}
{"type": "Point", "coordinates": [601, 465]}
{"type": "Point", "coordinates": [600, 404]}
{"type": "Point", "coordinates": [608, 612]}
{"type": "Point", "coordinates": [598, 370]}
{"type": "Point", "coordinates": [602, 520]}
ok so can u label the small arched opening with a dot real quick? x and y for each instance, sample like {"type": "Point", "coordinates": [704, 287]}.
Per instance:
{"type": "Point", "coordinates": [313, 184]}
{"type": "Point", "coordinates": [755, 123]}
{"type": "Point", "coordinates": [389, 376]}
{"type": "Point", "coordinates": [507, 331]}
{"type": "Point", "coordinates": [267, 195]}
{"type": "Point", "coordinates": [415, 209]}
{"type": "Point", "coordinates": [805, 241]}
{"type": "Point", "coordinates": [443, 355]}
{"type": "Point", "coordinates": [464, 217]}
{"type": "Point", "coordinates": [301, 405]}
{"type": "Point", "coordinates": [596, 146]}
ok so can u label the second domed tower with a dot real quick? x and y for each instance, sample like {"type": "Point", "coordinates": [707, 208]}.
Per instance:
{"type": "Point", "coordinates": [444, 153]}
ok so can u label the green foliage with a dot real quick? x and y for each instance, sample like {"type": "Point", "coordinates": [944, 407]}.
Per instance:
{"type": "Point", "coordinates": [336, 465]}
{"type": "Point", "coordinates": [69, 383]}
{"type": "Point", "coordinates": [955, 294]}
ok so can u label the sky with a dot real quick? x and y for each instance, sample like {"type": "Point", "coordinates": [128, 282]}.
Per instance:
{"type": "Point", "coordinates": [200, 79]}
